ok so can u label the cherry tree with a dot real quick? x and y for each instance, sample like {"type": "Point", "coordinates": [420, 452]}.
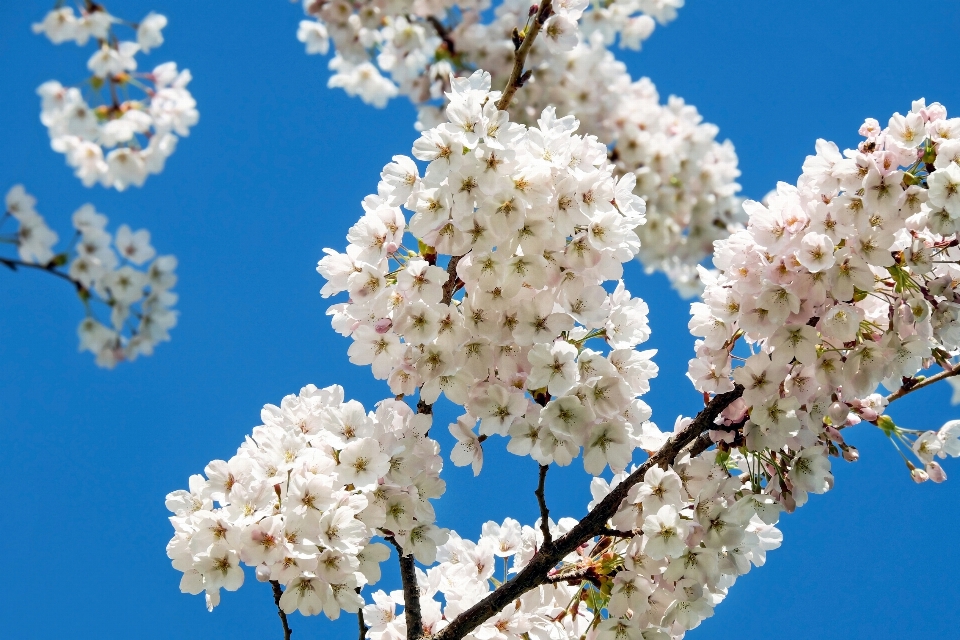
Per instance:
{"type": "Point", "coordinates": [491, 273]}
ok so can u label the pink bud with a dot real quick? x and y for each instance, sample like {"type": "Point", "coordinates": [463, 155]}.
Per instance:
{"type": "Point", "coordinates": [935, 111]}
{"type": "Point", "coordinates": [850, 454]}
{"type": "Point", "coordinates": [391, 247]}
{"type": "Point", "coordinates": [834, 435]}
{"type": "Point", "coordinates": [919, 475]}
{"type": "Point", "coordinates": [354, 326]}
{"type": "Point", "coordinates": [935, 472]}
{"type": "Point", "coordinates": [383, 325]}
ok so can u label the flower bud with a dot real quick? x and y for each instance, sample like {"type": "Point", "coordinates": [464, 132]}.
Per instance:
{"type": "Point", "coordinates": [838, 412]}
{"type": "Point", "coordinates": [850, 454]}
{"type": "Point", "coordinates": [383, 325]}
{"type": "Point", "coordinates": [935, 472]}
{"type": "Point", "coordinates": [834, 435]}
{"type": "Point", "coordinates": [919, 475]}
{"type": "Point", "coordinates": [263, 573]}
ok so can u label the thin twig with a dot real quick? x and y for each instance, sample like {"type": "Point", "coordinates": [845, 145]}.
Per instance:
{"type": "Point", "coordinates": [544, 512]}
{"type": "Point", "coordinates": [538, 570]}
{"type": "Point", "coordinates": [444, 34]}
{"type": "Point", "coordinates": [411, 593]}
{"type": "Point", "coordinates": [363, 626]}
{"type": "Point", "coordinates": [617, 533]}
{"type": "Point", "coordinates": [277, 594]}
{"type": "Point", "coordinates": [520, 55]}
{"type": "Point", "coordinates": [904, 390]}
{"type": "Point", "coordinates": [575, 576]}
{"type": "Point", "coordinates": [51, 268]}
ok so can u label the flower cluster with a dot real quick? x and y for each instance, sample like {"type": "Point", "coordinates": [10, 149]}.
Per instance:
{"type": "Point", "coordinates": [686, 176]}
{"type": "Point", "coordinates": [302, 499]}
{"type": "Point", "coordinates": [843, 282]}
{"type": "Point", "coordinates": [122, 272]}
{"type": "Point", "coordinates": [532, 225]}
{"type": "Point", "coordinates": [383, 49]}
{"type": "Point", "coordinates": [106, 135]}
{"type": "Point", "coordinates": [687, 533]}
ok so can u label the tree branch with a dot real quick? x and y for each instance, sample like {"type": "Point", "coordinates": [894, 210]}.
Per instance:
{"type": "Point", "coordinates": [905, 389]}
{"type": "Point", "coordinates": [544, 512]}
{"type": "Point", "coordinates": [538, 569]}
{"type": "Point", "coordinates": [363, 626]}
{"type": "Point", "coordinates": [277, 593]}
{"type": "Point", "coordinates": [51, 268]}
{"type": "Point", "coordinates": [444, 34]}
{"type": "Point", "coordinates": [450, 286]}
{"type": "Point", "coordinates": [411, 593]}
{"type": "Point", "coordinates": [517, 77]}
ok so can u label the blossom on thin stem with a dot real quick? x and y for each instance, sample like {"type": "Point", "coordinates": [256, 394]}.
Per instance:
{"type": "Point", "coordinates": [303, 498]}
{"type": "Point", "coordinates": [107, 135]}
{"type": "Point", "coordinates": [119, 271]}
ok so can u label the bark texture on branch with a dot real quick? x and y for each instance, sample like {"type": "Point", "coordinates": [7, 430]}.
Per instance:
{"type": "Point", "coordinates": [277, 594]}
{"type": "Point", "coordinates": [542, 501]}
{"type": "Point", "coordinates": [517, 77]}
{"type": "Point", "coordinates": [537, 572]}
{"type": "Point", "coordinates": [411, 593]}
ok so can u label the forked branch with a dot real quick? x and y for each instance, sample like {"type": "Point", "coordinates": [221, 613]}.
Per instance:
{"type": "Point", "coordinates": [524, 42]}
{"type": "Point", "coordinates": [538, 571]}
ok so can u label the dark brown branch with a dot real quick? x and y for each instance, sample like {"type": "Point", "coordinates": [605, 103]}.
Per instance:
{"type": "Point", "coordinates": [451, 285]}
{"type": "Point", "coordinates": [701, 444]}
{"type": "Point", "coordinates": [517, 77]}
{"type": "Point", "coordinates": [411, 593]}
{"type": "Point", "coordinates": [544, 512]}
{"type": "Point", "coordinates": [51, 268]}
{"type": "Point", "coordinates": [905, 389]}
{"type": "Point", "coordinates": [575, 576]}
{"type": "Point", "coordinates": [617, 533]}
{"type": "Point", "coordinates": [444, 34]}
{"type": "Point", "coordinates": [363, 626]}
{"type": "Point", "coordinates": [540, 566]}
{"type": "Point", "coordinates": [277, 594]}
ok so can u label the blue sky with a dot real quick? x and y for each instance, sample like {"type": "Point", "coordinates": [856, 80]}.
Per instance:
{"type": "Point", "coordinates": [273, 173]}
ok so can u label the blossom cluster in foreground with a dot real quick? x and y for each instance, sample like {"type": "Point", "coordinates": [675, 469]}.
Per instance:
{"type": "Point", "coordinates": [108, 136]}
{"type": "Point", "coordinates": [302, 499]}
{"type": "Point", "coordinates": [518, 230]}
{"type": "Point", "coordinates": [687, 177]}
{"type": "Point", "coordinates": [697, 529]}
{"type": "Point", "coordinates": [121, 271]}
{"type": "Point", "coordinates": [843, 282]}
